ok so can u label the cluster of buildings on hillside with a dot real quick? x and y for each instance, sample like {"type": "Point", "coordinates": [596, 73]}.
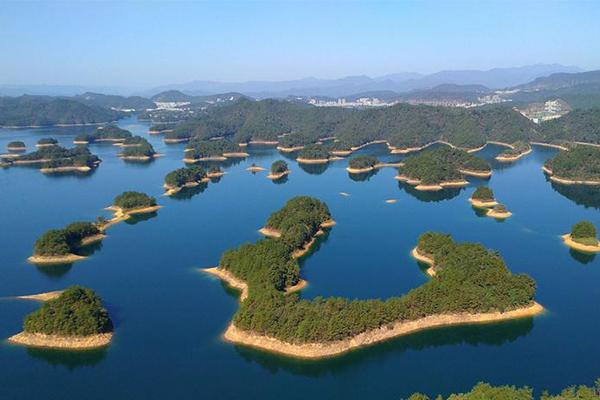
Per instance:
{"type": "Point", "coordinates": [540, 112]}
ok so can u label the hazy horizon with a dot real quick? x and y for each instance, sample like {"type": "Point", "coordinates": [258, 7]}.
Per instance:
{"type": "Point", "coordinates": [137, 45]}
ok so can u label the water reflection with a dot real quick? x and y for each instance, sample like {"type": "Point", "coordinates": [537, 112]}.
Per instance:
{"type": "Point", "coordinates": [314, 169]}
{"type": "Point", "coordinates": [55, 271]}
{"type": "Point", "coordinates": [281, 180]}
{"type": "Point", "coordinates": [362, 177]}
{"type": "Point", "coordinates": [188, 192]}
{"type": "Point", "coordinates": [583, 258]}
{"type": "Point", "coordinates": [69, 359]}
{"type": "Point", "coordinates": [137, 218]}
{"type": "Point", "coordinates": [440, 195]}
{"type": "Point", "coordinates": [495, 334]}
{"type": "Point", "coordinates": [583, 195]}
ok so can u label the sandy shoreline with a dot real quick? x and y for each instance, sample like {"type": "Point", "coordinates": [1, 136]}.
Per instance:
{"type": "Point", "coordinates": [497, 215]}
{"type": "Point", "coordinates": [255, 168]}
{"type": "Point", "coordinates": [15, 148]}
{"type": "Point", "coordinates": [425, 259]}
{"type": "Point", "coordinates": [340, 153]}
{"type": "Point", "coordinates": [270, 232]}
{"type": "Point", "coordinates": [555, 146]}
{"type": "Point", "coordinates": [280, 175]}
{"type": "Point", "coordinates": [197, 160]}
{"type": "Point", "coordinates": [65, 169]}
{"type": "Point", "coordinates": [236, 154]}
{"type": "Point", "coordinates": [478, 174]}
{"type": "Point", "coordinates": [502, 158]}
{"type": "Point", "coordinates": [50, 260]}
{"type": "Point", "coordinates": [121, 215]}
{"type": "Point", "coordinates": [565, 181]}
{"type": "Point", "coordinates": [170, 190]}
{"type": "Point", "coordinates": [400, 328]}
{"type": "Point", "coordinates": [175, 140]}
{"type": "Point", "coordinates": [41, 296]}
{"type": "Point", "coordinates": [312, 161]}
{"type": "Point", "coordinates": [579, 246]}
{"type": "Point", "coordinates": [62, 342]}
{"type": "Point", "coordinates": [482, 204]}
{"type": "Point", "coordinates": [289, 149]}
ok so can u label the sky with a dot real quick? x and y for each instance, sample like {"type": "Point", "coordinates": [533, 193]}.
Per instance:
{"type": "Point", "coordinates": [143, 43]}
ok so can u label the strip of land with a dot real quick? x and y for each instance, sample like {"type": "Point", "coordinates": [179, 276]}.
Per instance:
{"type": "Point", "coordinates": [62, 342]}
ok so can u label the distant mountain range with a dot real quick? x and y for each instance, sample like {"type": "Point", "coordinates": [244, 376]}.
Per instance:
{"type": "Point", "coordinates": [496, 78]}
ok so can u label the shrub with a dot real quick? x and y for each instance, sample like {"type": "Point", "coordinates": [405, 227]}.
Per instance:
{"type": "Point", "coordinates": [483, 193]}
{"type": "Point", "coordinates": [584, 232]}
{"type": "Point", "coordinates": [279, 167]}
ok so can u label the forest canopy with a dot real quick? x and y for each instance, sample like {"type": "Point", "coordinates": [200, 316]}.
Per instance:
{"type": "Point", "coordinates": [131, 200]}
{"type": "Point", "coordinates": [60, 242]}
{"type": "Point", "coordinates": [580, 163]}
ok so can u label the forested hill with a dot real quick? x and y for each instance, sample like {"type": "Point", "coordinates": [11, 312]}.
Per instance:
{"type": "Point", "coordinates": [135, 103]}
{"type": "Point", "coordinates": [576, 126]}
{"type": "Point", "coordinates": [401, 125]}
{"type": "Point", "coordinates": [44, 110]}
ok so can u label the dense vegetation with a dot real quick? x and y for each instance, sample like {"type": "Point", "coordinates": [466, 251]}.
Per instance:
{"type": "Point", "coordinates": [279, 167]}
{"type": "Point", "coordinates": [44, 110]}
{"type": "Point", "coordinates": [15, 145]}
{"type": "Point", "coordinates": [576, 126]}
{"type": "Point", "coordinates": [210, 148]}
{"type": "Point", "coordinates": [143, 149]}
{"type": "Point", "coordinates": [485, 391]}
{"type": "Point", "coordinates": [519, 147]}
{"type": "Point", "coordinates": [361, 162]}
{"type": "Point", "coordinates": [441, 165]}
{"type": "Point", "coordinates": [60, 242]}
{"type": "Point", "coordinates": [580, 163]}
{"type": "Point", "coordinates": [314, 152]}
{"type": "Point", "coordinates": [131, 200]}
{"type": "Point", "coordinates": [584, 232]}
{"type": "Point", "coordinates": [134, 140]}
{"type": "Point", "coordinates": [162, 128]}
{"type": "Point", "coordinates": [47, 141]}
{"type": "Point", "coordinates": [110, 132]}
{"type": "Point", "coordinates": [470, 279]}
{"type": "Point", "coordinates": [483, 193]}
{"type": "Point", "coordinates": [181, 176]}
{"type": "Point", "coordinates": [60, 156]}
{"type": "Point", "coordinates": [114, 102]}
{"type": "Point", "coordinates": [77, 311]}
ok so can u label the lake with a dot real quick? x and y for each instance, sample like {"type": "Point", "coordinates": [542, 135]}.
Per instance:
{"type": "Point", "coordinates": [168, 316]}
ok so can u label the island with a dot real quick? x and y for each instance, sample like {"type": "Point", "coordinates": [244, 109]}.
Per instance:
{"type": "Point", "coordinates": [161, 128]}
{"type": "Point", "coordinates": [254, 168]}
{"type": "Point", "coordinates": [142, 151]}
{"type": "Point", "coordinates": [314, 154]}
{"type": "Point", "coordinates": [46, 142]}
{"type": "Point", "coordinates": [212, 150]}
{"type": "Point", "coordinates": [578, 166]}
{"type": "Point", "coordinates": [441, 168]}
{"type": "Point", "coordinates": [362, 164]}
{"type": "Point", "coordinates": [59, 159]}
{"type": "Point", "coordinates": [16, 146]}
{"type": "Point", "coordinates": [104, 134]}
{"type": "Point", "coordinates": [132, 141]}
{"type": "Point", "coordinates": [583, 237]}
{"type": "Point", "coordinates": [514, 152]}
{"type": "Point", "coordinates": [182, 178]}
{"type": "Point", "coordinates": [499, 211]}
{"type": "Point", "coordinates": [279, 169]}
{"type": "Point", "coordinates": [59, 246]}
{"type": "Point", "coordinates": [130, 203]}
{"type": "Point", "coordinates": [214, 172]}
{"type": "Point", "coordinates": [75, 320]}
{"type": "Point", "coordinates": [471, 285]}
{"type": "Point", "coordinates": [483, 197]}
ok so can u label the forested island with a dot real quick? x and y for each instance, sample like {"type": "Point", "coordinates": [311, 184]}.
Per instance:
{"type": "Point", "coordinates": [443, 167]}
{"type": "Point", "coordinates": [212, 150]}
{"type": "Point", "coordinates": [55, 158]}
{"type": "Point", "coordinates": [583, 237]}
{"type": "Point", "coordinates": [181, 178]}
{"type": "Point", "coordinates": [314, 154]}
{"type": "Point", "coordinates": [16, 146]}
{"type": "Point", "coordinates": [140, 151]}
{"type": "Point", "coordinates": [103, 134]}
{"type": "Point", "coordinates": [36, 111]}
{"type": "Point", "coordinates": [483, 197]}
{"type": "Point", "coordinates": [516, 151]}
{"type": "Point", "coordinates": [158, 129]}
{"type": "Point", "coordinates": [579, 165]}
{"type": "Point", "coordinates": [74, 320]}
{"type": "Point", "coordinates": [471, 285]}
{"type": "Point", "coordinates": [279, 169]}
{"type": "Point", "coordinates": [132, 202]}
{"type": "Point", "coordinates": [499, 211]}
{"type": "Point", "coordinates": [59, 246]}
{"type": "Point", "coordinates": [361, 164]}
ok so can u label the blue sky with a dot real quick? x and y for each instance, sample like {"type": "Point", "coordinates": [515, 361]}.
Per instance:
{"type": "Point", "coordinates": [152, 43]}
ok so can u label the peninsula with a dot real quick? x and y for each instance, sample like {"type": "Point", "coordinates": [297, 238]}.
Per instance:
{"type": "Point", "coordinates": [212, 150]}
{"type": "Point", "coordinates": [59, 159]}
{"type": "Point", "coordinates": [313, 154]}
{"type": "Point", "coordinates": [516, 151]}
{"type": "Point", "coordinates": [365, 163]}
{"type": "Point", "coordinates": [578, 166]}
{"type": "Point", "coordinates": [483, 197]}
{"type": "Point", "coordinates": [130, 203]}
{"type": "Point", "coordinates": [75, 320]}
{"type": "Point", "coordinates": [583, 237]}
{"type": "Point", "coordinates": [440, 168]}
{"type": "Point", "coordinates": [458, 293]}
{"type": "Point", "coordinates": [182, 178]}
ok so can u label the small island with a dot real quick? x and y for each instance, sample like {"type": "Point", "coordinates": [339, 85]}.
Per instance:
{"type": "Point", "coordinates": [514, 152]}
{"type": "Point", "coordinates": [499, 211]}
{"type": "Point", "coordinates": [471, 285]}
{"type": "Point", "coordinates": [132, 141]}
{"type": "Point", "coordinates": [314, 154]}
{"type": "Point", "coordinates": [103, 134]}
{"type": "Point", "coordinates": [444, 167]}
{"type": "Point", "coordinates": [129, 203]}
{"type": "Point", "coordinates": [142, 151]}
{"type": "Point", "coordinates": [483, 197]}
{"type": "Point", "coordinates": [254, 168]}
{"type": "Point", "coordinates": [362, 164]}
{"type": "Point", "coordinates": [59, 246]}
{"type": "Point", "coordinates": [578, 166]}
{"type": "Point", "coordinates": [182, 178]}
{"type": "Point", "coordinates": [16, 146]}
{"type": "Point", "coordinates": [583, 237]}
{"type": "Point", "coordinates": [214, 172]}
{"type": "Point", "coordinates": [212, 150]}
{"type": "Point", "coordinates": [75, 320]}
{"type": "Point", "coordinates": [279, 169]}
{"type": "Point", "coordinates": [59, 159]}
{"type": "Point", "coordinates": [46, 142]}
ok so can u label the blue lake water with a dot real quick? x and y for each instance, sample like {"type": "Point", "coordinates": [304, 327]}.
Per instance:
{"type": "Point", "coordinates": [169, 317]}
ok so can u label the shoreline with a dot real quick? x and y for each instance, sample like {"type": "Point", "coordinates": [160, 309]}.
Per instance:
{"type": "Point", "coordinates": [140, 158]}
{"type": "Point", "coordinates": [579, 246]}
{"type": "Point", "coordinates": [255, 168]}
{"type": "Point", "coordinates": [41, 296]}
{"type": "Point", "coordinates": [440, 186]}
{"type": "Point", "coordinates": [554, 146]}
{"type": "Point", "coordinates": [565, 181]}
{"type": "Point", "coordinates": [399, 328]}
{"type": "Point", "coordinates": [197, 160]}
{"type": "Point", "coordinates": [425, 259]}
{"type": "Point", "coordinates": [312, 160]}
{"type": "Point", "coordinates": [280, 175]}
{"type": "Point", "coordinates": [475, 173]}
{"type": "Point", "coordinates": [497, 215]}
{"type": "Point", "coordinates": [65, 169]}
{"type": "Point", "coordinates": [502, 158]}
{"type": "Point", "coordinates": [54, 125]}
{"type": "Point", "coordinates": [175, 140]}
{"type": "Point", "coordinates": [61, 342]}
{"type": "Point", "coordinates": [289, 149]}
{"type": "Point", "coordinates": [482, 204]}
{"type": "Point", "coordinates": [50, 260]}
{"type": "Point", "coordinates": [170, 190]}
{"type": "Point", "coordinates": [237, 154]}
